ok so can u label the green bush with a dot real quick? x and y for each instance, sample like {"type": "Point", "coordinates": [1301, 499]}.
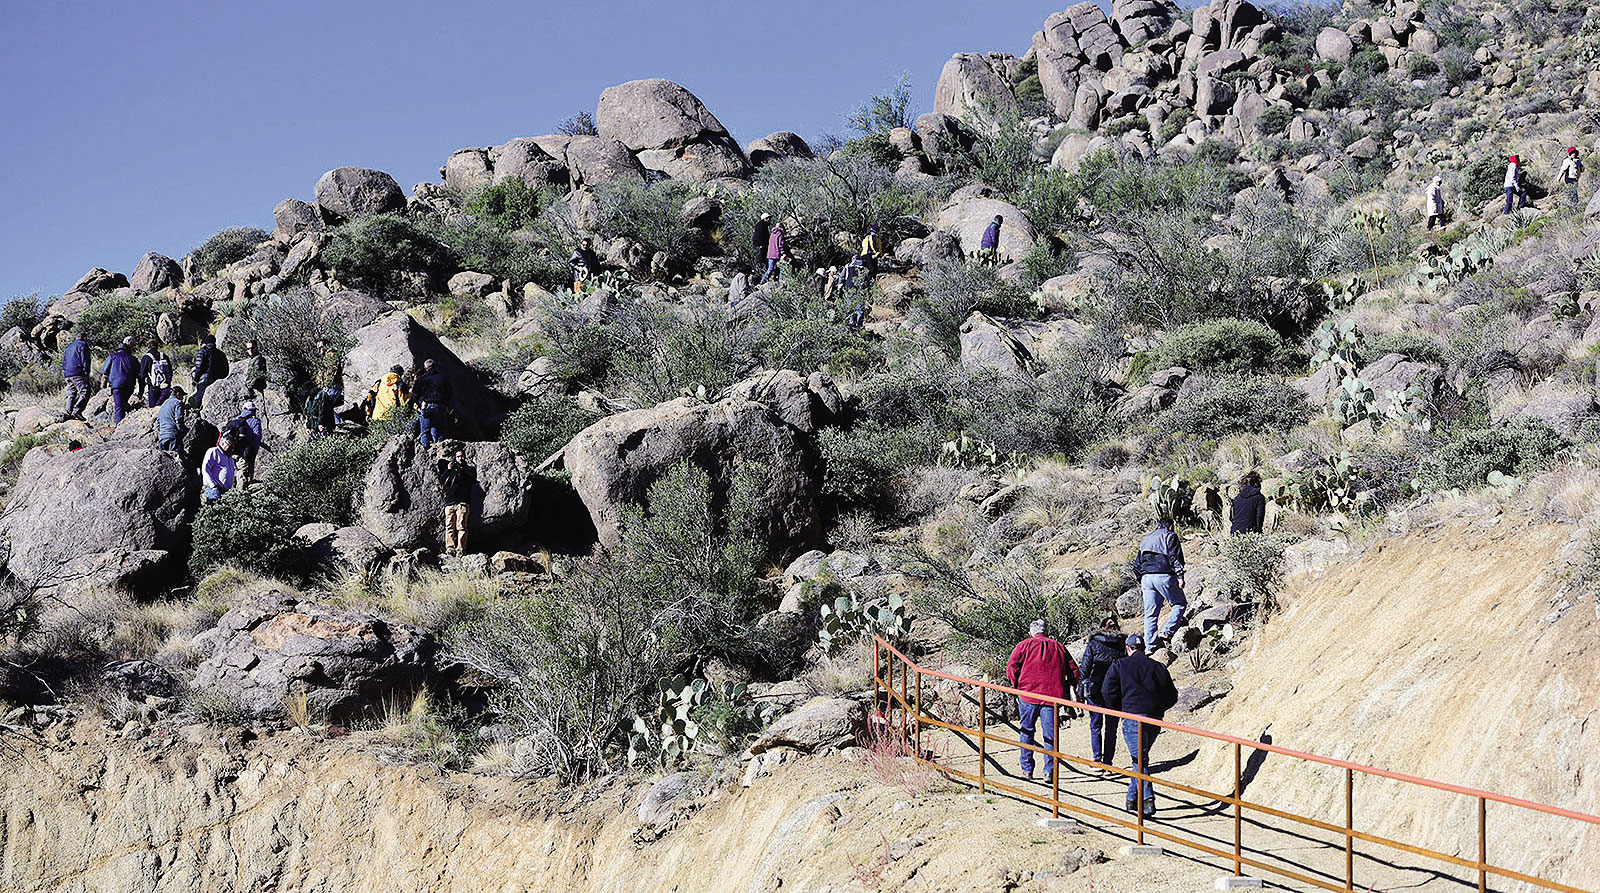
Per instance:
{"type": "Point", "coordinates": [1421, 67]}
{"type": "Point", "coordinates": [1219, 345]}
{"type": "Point", "coordinates": [1215, 153]}
{"type": "Point", "coordinates": [1483, 179]}
{"type": "Point", "coordinates": [1466, 460]}
{"type": "Point", "coordinates": [885, 111]}
{"type": "Point", "coordinates": [287, 327]}
{"type": "Point", "coordinates": [652, 215]}
{"type": "Point", "coordinates": [539, 427]}
{"type": "Point", "coordinates": [1235, 404]}
{"type": "Point", "coordinates": [824, 195]}
{"type": "Point", "coordinates": [108, 320]}
{"type": "Point", "coordinates": [1420, 348]}
{"type": "Point", "coordinates": [1252, 563]}
{"type": "Point", "coordinates": [251, 530]}
{"type": "Point", "coordinates": [23, 312]}
{"type": "Point", "coordinates": [226, 247]}
{"type": "Point", "coordinates": [319, 480]}
{"type": "Point", "coordinates": [1275, 120]}
{"type": "Point", "coordinates": [863, 467]}
{"type": "Point", "coordinates": [386, 254]}
{"type": "Point", "coordinates": [510, 205]}
{"type": "Point", "coordinates": [955, 290]}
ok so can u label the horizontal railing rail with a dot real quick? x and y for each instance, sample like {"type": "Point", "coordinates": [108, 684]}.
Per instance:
{"type": "Point", "coordinates": [903, 711]}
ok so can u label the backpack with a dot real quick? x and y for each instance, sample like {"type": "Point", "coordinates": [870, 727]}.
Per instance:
{"type": "Point", "coordinates": [161, 372]}
{"type": "Point", "coordinates": [1104, 649]}
{"type": "Point", "coordinates": [219, 363]}
{"type": "Point", "coordinates": [234, 430]}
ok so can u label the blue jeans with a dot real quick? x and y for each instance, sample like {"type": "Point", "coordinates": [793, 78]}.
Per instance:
{"type": "Point", "coordinates": [772, 271]}
{"type": "Point", "coordinates": [119, 402]}
{"type": "Point", "coordinates": [1141, 759]}
{"type": "Point", "coordinates": [1520, 197]}
{"type": "Point", "coordinates": [428, 426]}
{"type": "Point", "coordinates": [200, 385]}
{"type": "Point", "coordinates": [1042, 714]}
{"type": "Point", "coordinates": [170, 442]}
{"type": "Point", "coordinates": [1159, 588]}
{"type": "Point", "coordinates": [1102, 735]}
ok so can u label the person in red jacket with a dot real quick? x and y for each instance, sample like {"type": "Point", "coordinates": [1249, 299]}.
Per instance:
{"type": "Point", "coordinates": [1042, 666]}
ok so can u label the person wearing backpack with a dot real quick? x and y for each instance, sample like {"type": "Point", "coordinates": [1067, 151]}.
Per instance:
{"type": "Point", "coordinates": [433, 395]}
{"type": "Point", "coordinates": [246, 428]}
{"type": "Point", "coordinates": [1571, 172]}
{"type": "Point", "coordinates": [75, 369]}
{"type": "Point", "coordinates": [1160, 568]}
{"type": "Point", "coordinates": [122, 376]}
{"type": "Point", "coordinates": [1104, 648]}
{"type": "Point", "coordinates": [155, 375]}
{"type": "Point", "coordinates": [388, 395]}
{"type": "Point", "coordinates": [210, 364]}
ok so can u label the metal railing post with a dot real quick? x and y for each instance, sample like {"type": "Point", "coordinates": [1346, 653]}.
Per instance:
{"type": "Point", "coordinates": [905, 670]}
{"type": "Point", "coordinates": [875, 677]}
{"type": "Point", "coordinates": [1055, 761]}
{"type": "Point", "coordinates": [1483, 845]}
{"type": "Point", "coordinates": [1349, 829]}
{"type": "Point", "coordinates": [1138, 783]}
{"type": "Point", "coordinates": [983, 733]}
{"type": "Point", "coordinates": [916, 718]}
{"type": "Point", "coordinates": [1238, 819]}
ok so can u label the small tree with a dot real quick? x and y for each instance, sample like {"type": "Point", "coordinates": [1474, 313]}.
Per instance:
{"type": "Point", "coordinates": [579, 124]}
{"type": "Point", "coordinates": [885, 111]}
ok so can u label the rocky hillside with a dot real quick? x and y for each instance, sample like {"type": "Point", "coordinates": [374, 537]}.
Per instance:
{"type": "Point", "coordinates": [698, 487]}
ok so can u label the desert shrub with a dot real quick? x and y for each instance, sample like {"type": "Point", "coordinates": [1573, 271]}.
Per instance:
{"type": "Point", "coordinates": [387, 255]}
{"type": "Point", "coordinates": [319, 480]}
{"type": "Point", "coordinates": [874, 147]}
{"type": "Point", "coordinates": [824, 196]}
{"type": "Point", "coordinates": [1467, 459]}
{"type": "Point", "coordinates": [251, 530]}
{"type": "Point", "coordinates": [1481, 179]}
{"type": "Point", "coordinates": [543, 425]}
{"type": "Point", "coordinates": [662, 352]}
{"type": "Point", "coordinates": [1252, 563]}
{"type": "Point", "coordinates": [579, 124]}
{"type": "Point", "coordinates": [1215, 152]}
{"type": "Point", "coordinates": [23, 312]}
{"type": "Point", "coordinates": [226, 247]}
{"type": "Point", "coordinates": [793, 327]}
{"type": "Point", "coordinates": [484, 246]}
{"type": "Point", "coordinates": [1220, 345]}
{"type": "Point", "coordinates": [510, 205]}
{"type": "Point", "coordinates": [955, 290]}
{"type": "Point", "coordinates": [574, 665]}
{"type": "Point", "coordinates": [863, 467]}
{"type": "Point", "coordinates": [287, 327]}
{"type": "Point", "coordinates": [1275, 120]}
{"type": "Point", "coordinates": [1420, 67]}
{"type": "Point", "coordinates": [1234, 404]}
{"type": "Point", "coordinates": [1367, 60]}
{"type": "Point", "coordinates": [16, 450]}
{"type": "Point", "coordinates": [108, 320]}
{"type": "Point", "coordinates": [651, 214]}
{"type": "Point", "coordinates": [1329, 97]}
{"type": "Point", "coordinates": [1002, 155]}
{"type": "Point", "coordinates": [885, 111]}
{"type": "Point", "coordinates": [1415, 346]}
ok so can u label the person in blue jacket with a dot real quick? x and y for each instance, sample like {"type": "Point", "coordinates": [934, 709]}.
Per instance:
{"type": "Point", "coordinates": [122, 376]}
{"type": "Point", "coordinates": [75, 369]}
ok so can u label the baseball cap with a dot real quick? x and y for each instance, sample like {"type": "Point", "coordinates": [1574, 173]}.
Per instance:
{"type": "Point", "coordinates": [1135, 640]}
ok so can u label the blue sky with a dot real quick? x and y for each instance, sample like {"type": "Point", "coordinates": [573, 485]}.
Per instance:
{"type": "Point", "coordinates": [148, 126]}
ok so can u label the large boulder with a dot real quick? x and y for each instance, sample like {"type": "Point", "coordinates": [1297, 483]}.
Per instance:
{"type": "Point", "coordinates": [347, 192]}
{"type": "Point", "coordinates": [985, 344]}
{"type": "Point", "coordinates": [337, 549]}
{"type": "Point", "coordinates": [614, 461]}
{"type": "Point", "coordinates": [99, 279]}
{"type": "Point", "coordinates": [1140, 20]}
{"type": "Point", "coordinates": [526, 160]}
{"type": "Point", "coordinates": [354, 309]}
{"type": "Point", "coordinates": [819, 723]}
{"type": "Point", "coordinates": [968, 218]}
{"type": "Point", "coordinates": [396, 339]}
{"type": "Point", "coordinates": [111, 513]}
{"type": "Point", "coordinates": [670, 129]}
{"type": "Point", "coordinates": [467, 170]}
{"type": "Point", "coordinates": [155, 272]}
{"type": "Point", "coordinates": [402, 502]}
{"type": "Point", "coordinates": [596, 161]}
{"type": "Point", "coordinates": [1334, 45]}
{"type": "Point", "coordinates": [274, 649]}
{"type": "Point", "coordinates": [974, 89]}
{"type": "Point", "coordinates": [806, 403]}
{"type": "Point", "coordinates": [295, 217]}
{"type": "Point", "coordinates": [777, 147]}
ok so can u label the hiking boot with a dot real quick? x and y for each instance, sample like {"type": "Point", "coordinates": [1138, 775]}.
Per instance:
{"type": "Point", "coordinates": [1133, 806]}
{"type": "Point", "coordinates": [1149, 810]}
{"type": "Point", "coordinates": [1158, 643]}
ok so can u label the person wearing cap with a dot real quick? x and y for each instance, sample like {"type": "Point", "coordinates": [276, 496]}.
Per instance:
{"type": "Point", "coordinates": [155, 374]}
{"type": "Point", "coordinates": [1039, 665]}
{"type": "Point", "coordinates": [122, 376]}
{"type": "Point", "coordinates": [758, 240]}
{"type": "Point", "coordinates": [75, 369]}
{"type": "Point", "coordinates": [1141, 686]}
{"type": "Point", "coordinates": [1160, 568]}
{"type": "Point", "coordinates": [169, 422]}
{"type": "Point", "coordinates": [432, 396]}
{"type": "Point", "coordinates": [1571, 172]}
{"type": "Point", "coordinates": [1513, 184]}
{"type": "Point", "coordinates": [388, 395]}
{"type": "Point", "coordinates": [247, 428]}
{"type": "Point", "coordinates": [1104, 648]}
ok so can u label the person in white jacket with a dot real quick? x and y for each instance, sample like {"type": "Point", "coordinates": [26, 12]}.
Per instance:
{"type": "Point", "coordinates": [1571, 172]}
{"type": "Point", "coordinates": [1436, 201]}
{"type": "Point", "coordinates": [1513, 184]}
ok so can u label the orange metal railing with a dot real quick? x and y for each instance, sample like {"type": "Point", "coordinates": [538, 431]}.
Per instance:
{"type": "Point", "coordinates": [903, 714]}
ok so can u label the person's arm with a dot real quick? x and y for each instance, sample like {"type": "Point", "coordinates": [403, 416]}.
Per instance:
{"type": "Point", "coordinates": [1177, 555]}
{"type": "Point", "coordinates": [1014, 666]}
{"type": "Point", "coordinates": [1261, 513]}
{"type": "Point", "coordinates": [1111, 688]}
{"type": "Point", "coordinates": [1169, 691]}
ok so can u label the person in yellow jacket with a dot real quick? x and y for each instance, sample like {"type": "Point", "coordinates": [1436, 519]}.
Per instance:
{"type": "Point", "coordinates": [389, 394]}
{"type": "Point", "coordinates": [872, 250]}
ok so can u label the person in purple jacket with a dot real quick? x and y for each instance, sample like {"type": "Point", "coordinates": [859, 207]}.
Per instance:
{"type": "Point", "coordinates": [989, 247]}
{"type": "Point", "coordinates": [122, 376]}
{"type": "Point", "coordinates": [776, 251]}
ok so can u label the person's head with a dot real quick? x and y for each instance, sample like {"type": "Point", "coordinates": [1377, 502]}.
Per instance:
{"type": "Point", "coordinates": [209, 340]}
{"type": "Point", "coordinates": [1250, 479]}
{"type": "Point", "coordinates": [397, 370]}
{"type": "Point", "coordinates": [1108, 620]}
{"type": "Point", "coordinates": [459, 454]}
{"type": "Point", "coordinates": [1038, 627]}
{"type": "Point", "coordinates": [250, 346]}
{"type": "Point", "coordinates": [767, 217]}
{"type": "Point", "coordinates": [1515, 160]}
{"type": "Point", "coordinates": [249, 407]}
{"type": "Point", "coordinates": [180, 393]}
{"type": "Point", "coordinates": [1164, 521]}
{"type": "Point", "coordinates": [1135, 643]}
{"type": "Point", "coordinates": [128, 343]}
{"type": "Point", "coordinates": [999, 219]}
{"type": "Point", "coordinates": [226, 443]}
{"type": "Point", "coordinates": [586, 243]}
{"type": "Point", "coordinates": [1572, 150]}
{"type": "Point", "coordinates": [427, 365]}
{"type": "Point", "coordinates": [874, 229]}
{"type": "Point", "coordinates": [335, 393]}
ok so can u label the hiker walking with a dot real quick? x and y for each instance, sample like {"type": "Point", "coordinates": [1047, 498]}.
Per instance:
{"type": "Point", "coordinates": [456, 479]}
{"type": "Point", "coordinates": [776, 251]}
{"type": "Point", "coordinates": [388, 395]}
{"type": "Point", "coordinates": [155, 375]}
{"type": "Point", "coordinates": [1160, 567]}
{"type": "Point", "coordinates": [1571, 172]}
{"type": "Point", "coordinates": [217, 470]}
{"type": "Point", "coordinates": [1103, 650]}
{"type": "Point", "coordinates": [210, 364]}
{"type": "Point", "coordinates": [585, 265]}
{"type": "Point", "coordinates": [1435, 202]}
{"type": "Point", "coordinates": [1042, 666]}
{"type": "Point", "coordinates": [1136, 684]}
{"type": "Point", "coordinates": [321, 412]}
{"type": "Point", "coordinates": [246, 430]}
{"type": "Point", "coordinates": [432, 395]}
{"type": "Point", "coordinates": [1515, 185]}
{"type": "Point", "coordinates": [1249, 511]}
{"type": "Point", "coordinates": [872, 250]}
{"type": "Point", "coordinates": [169, 422]}
{"type": "Point", "coordinates": [121, 373]}
{"type": "Point", "coordinates": [989, 246]}
{"type": "Point", "coordinates": [758, 240]}
{"type": "Point", "coordinates": [255, 369]}
{"type": "Point", "coordinates": [75, 369]}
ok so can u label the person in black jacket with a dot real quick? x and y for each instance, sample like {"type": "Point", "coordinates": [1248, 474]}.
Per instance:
{"type": "Point", "coordinates": [1136, 684]}
{"type": "Point", "coordinates": [1249, 513]}
{"type": "Point", "coordinates": [432, 396]}
{"type": "Point", "coordinates": [456, 479]}
{"type": "Point", "coordinates": [758, 241]}
{"type": "Point", "coordinates": [1105, 648]}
